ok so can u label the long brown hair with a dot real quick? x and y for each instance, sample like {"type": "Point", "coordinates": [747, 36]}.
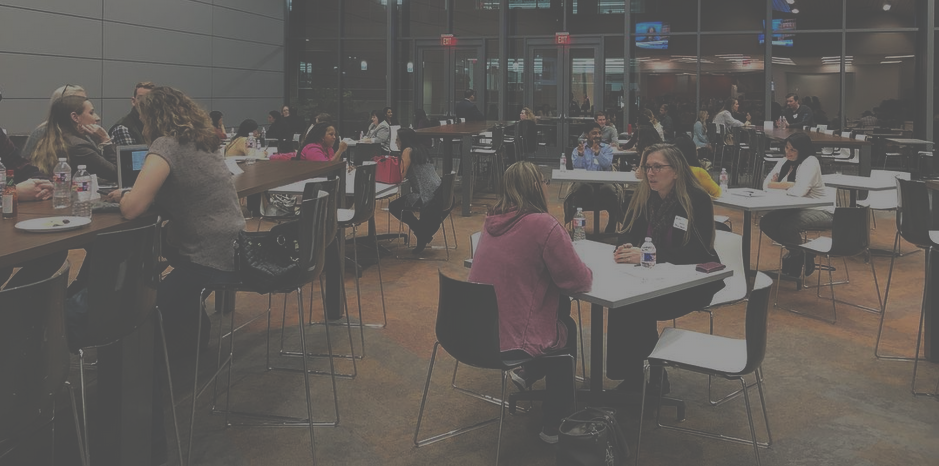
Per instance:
{"type": "Point", "coordinates": [166, 111]}
{"type": "Point", "coordinates": [52, 145]}
{"type": "Point", "coordinates": [684, 184]}
{"type": "Point", "coordinates": [522, 192]}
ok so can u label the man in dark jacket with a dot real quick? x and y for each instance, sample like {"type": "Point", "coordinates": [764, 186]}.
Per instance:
{"type": "Point", "coordinates": [467, 107]}
{"type": "Point", "coordinates": [797, 116]}
{"type": "Point", "coordinates": [129, 129]}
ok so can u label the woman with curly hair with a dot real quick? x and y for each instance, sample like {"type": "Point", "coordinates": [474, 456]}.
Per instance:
{"type": "Point", "coordinates": [185, 177]}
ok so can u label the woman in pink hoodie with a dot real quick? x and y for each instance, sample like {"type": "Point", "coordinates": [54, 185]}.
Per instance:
{"type": "Point", "coordinates": [527, 255]}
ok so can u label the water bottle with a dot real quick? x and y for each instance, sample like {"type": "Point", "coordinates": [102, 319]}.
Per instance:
{"type": "Point", "coordinates": [563, 166]}
{"type": "Point", "coordinates": [263, 136]}
{"type": "Point", "coordinates": [723, 180]}
{"type": "Point", "coordinates": [81, 188]}
{"type": "Point", "coordinates": [62, 181]}
{"type": "Point", "coordinates": [580, 225]}
{"type": "Point", "coordinates": [647, 259]}
{"type": "Point", "coordinates": [3, 181]}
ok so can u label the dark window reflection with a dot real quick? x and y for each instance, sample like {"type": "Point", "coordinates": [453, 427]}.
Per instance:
{"type": "Point", "coordinates": [422, 18]}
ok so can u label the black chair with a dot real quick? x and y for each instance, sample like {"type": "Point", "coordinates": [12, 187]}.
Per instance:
{"type": "Point", "coordinates": [491, 154]}
{"type": "Point", "coordinates": [122, 289]}
{"type": "Point", "coordinates": [365, 152]}
{"type": "Point", "coordinates": [309, 190]}
{"type": "Point", "coordinates": [36, 366]}
{"type": "Point", "coordinates": [468, 329]}
{"type": "Point", "coordinates": [716, 356]}
{"type": "Point", "coordinates": [444, 196]}
{"type": "Point", "coordinates": [312, 246]}
{"type": "Point", "coordinates": [850, 236]}
{"type": "Point", "coordinates": [364, 206]}
{"type": "Point", "coordinates": [914, 224]}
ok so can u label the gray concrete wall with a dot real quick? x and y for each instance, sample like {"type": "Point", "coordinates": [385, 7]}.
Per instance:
{"type": "Point", "coordinates": [226, 54]}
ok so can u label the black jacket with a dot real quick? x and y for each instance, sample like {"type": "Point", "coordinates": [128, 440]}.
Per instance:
{"type": "Point", "coordinates": [468, 110]}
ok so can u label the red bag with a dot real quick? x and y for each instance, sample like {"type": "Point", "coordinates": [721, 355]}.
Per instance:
{"type": "Point", "coordinates": [388, 170]}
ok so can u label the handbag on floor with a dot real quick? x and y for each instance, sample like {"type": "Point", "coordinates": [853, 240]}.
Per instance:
{"type": "Point", "coordinates": [591, 437]}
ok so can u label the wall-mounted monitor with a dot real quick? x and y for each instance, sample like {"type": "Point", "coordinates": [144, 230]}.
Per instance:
{"type": "Point", "coordinates": [781, 40]}
{"type": "Point", "coordinates": [652, 35]}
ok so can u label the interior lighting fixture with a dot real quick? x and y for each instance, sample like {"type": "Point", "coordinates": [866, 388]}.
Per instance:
{"type": "Point", "coordinates": [795, 11]}
{"type": "Point", "coordinates": [887, 6]}
{"type": "Point", "coordinates": [790, 1]}
{"type": "Point", "coordinates": [891, 57]}
{"type": "Point", "coordinates": [891, 61]}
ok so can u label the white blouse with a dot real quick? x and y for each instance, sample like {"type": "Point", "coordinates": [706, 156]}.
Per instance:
{"type": "Point", "coordinates": [808, 179]}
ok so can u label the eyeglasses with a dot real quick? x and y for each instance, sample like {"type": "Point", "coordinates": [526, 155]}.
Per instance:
{"type": "Point", "coordinates": [654, 168]}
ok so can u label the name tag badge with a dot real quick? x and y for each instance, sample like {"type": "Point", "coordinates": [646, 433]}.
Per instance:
{"type": "Point", "coordinates": [681, 223]}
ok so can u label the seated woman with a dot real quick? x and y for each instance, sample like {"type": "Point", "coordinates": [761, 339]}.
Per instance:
{"type": "Point", "coordinates": [799, 174]}
{"type": "Point", "coordinates": [278, 127]}
{"type": "Point", "coordinates": [690, 153]}
{"type": "Point", "coordinates": [420, 120]}
{"type": "Point", "coordinates": [418, 168]}
{"type": "Point", "coordinates": [72, 132]}
{"type": "Point", "coordinates": [528, 130]}
{"type": "Point", "coordinates": [701, 140]}
{"type": "Point", "coordinates": [674, 210]}
{"type": "Point", "coordinates": [318, 146]}
{"type": "Point", "coordinates": [523, 247]}
{"type": "Point", "coordinates": [218, 124]}
{"type": "Point", "coordinates": [237, 144]}
{"type": "Point", "coordinates": [379, 131]}
{"type": "Point", "coordinates": [726, 117]}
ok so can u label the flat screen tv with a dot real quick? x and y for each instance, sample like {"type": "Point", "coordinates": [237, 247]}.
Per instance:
{"type": "Point", "coordinates": [652, 35]}
{"type": "Point", "coordinates": [781, 40]}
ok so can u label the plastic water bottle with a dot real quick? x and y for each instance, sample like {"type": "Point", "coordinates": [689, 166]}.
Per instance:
{"type": "Point", "coordinates": [723, 180]}
{"type": "Point", "coordinates": [3, 181]}
{"type": "Point", "coordinates": [263, 136]}
{"type": "Point", "coordinates": [81, 186]}
{"type": "Point", "coordinates": [648, 254]}
{"type": "Point", "coordinates": [563, 166]}
{"type": "Point", "coordinates": [580, 225]}
{"type": "Point", "coordinates": [62, 181]}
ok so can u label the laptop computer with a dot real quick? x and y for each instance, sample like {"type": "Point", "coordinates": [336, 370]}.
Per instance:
{"type": "Point", "coordinates": [129, 162]}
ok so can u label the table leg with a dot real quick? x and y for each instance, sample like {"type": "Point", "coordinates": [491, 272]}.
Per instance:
{"type": "Point", "coordinates": [746, 242]}
{"type": "Point", "coordinates": [124, 402]}
{"type": "Point", "coordinates": [596, 222]}
{"type": "Point", "coordinates": [447, 155]}
{"type": "Point", "coordinates": [596, 352]}
{"type": "Point", "coordinates": [931, 323]}
{"type": "Point", "coordinates": [466, 162]}
{"type": "Point", "coordinates": [864, 164]}
{"type": "Point", "coordinates": [852, 193]}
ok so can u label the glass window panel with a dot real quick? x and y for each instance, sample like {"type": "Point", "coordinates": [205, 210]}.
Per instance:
{"type": "Point", "coordinates": [595, 16]}
{"type": "Point", "coordinates": [493, 81]}
{"type": "Point", "coordinates": [406, 71]}
{"type": "Point", "coordinates": [811, 68]}
{"type": "Point", "coordinates": [677, 15]}
{"type": "Point", "coordinates": [901, 13]}
{"type": "Point", "coordinates": [422, 18]}
{"type": "Point", "coordinates": [535, 17]}
{"type": "Point", "coordinates": [319, 19]}
{"type": "Point", "coordinates": [544, 74]}
{"type": "Point", "coordinates": [364, 89]}
{"type": "Point", "coordinates": [468, 67]}
{"type": "Point", "coordinates": [882, 73]}
{"type": "Point", "coordinates": [475, 19]}
{"type": "Point", "coordinates": [613, 79]}
{"type": "Point", "coordinates": [515, 92]}
{"type": "Point", "coordinates": [731, 66]}
{"type": "Point", "coordinates": [433, 81]}
{"type": "Point", "coordinates": [815, 14]}
{"type": "Point", "coordinates": [731, 15]}
{"type": "Point", "coordinates": [364, 18]}
{"type": "Point", "coordinates": [665, 76]}
{"type": "Point", "coordinates": [318, 84]}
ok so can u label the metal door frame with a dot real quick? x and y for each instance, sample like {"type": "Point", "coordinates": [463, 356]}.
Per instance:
{"type": "Point", "coordinates": [449, 62]}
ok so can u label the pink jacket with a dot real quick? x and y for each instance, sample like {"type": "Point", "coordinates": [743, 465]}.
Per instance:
{"type": "Point", "coordinates": [312, 152]}
{"type": "Point", "coordinates": [530, 264]}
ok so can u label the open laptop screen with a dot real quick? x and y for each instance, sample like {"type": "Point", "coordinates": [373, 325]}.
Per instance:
{"type": "Point", "coordinates": [129, 162]}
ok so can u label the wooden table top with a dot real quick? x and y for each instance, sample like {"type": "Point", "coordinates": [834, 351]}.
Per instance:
{"type": "Point", "coordinates": [932, 184]}
{"type": "Point", "coordinates": [458, 129]}
{"type": "Point", "coordinates": [17, 246]}
{"type": "Point", "coordinates": [780, 134]}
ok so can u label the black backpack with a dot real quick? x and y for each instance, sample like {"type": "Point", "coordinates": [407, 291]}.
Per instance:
{"type": "Point", "coordinates": [591, 437]}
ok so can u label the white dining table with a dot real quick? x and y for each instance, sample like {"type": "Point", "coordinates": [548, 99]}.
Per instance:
{"type": "Point", "coordinates": [754, 200]}
{"type": "Point", "coordinates": [878, 181]}
{"type": "Point", "coordinates": [599, 177]}
{"type": "Point", "coordinates": [381, 189]}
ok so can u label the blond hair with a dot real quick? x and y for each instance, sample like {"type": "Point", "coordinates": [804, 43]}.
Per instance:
{"type": "Point", "coordinates": [52, 145]}
{"type": "Point", "coordinates": [528, 114]}
{"type": "Point", "coordinates": [684, 184]}
{"type": "Point", "coordinates": [703, 118]}
{"type": "Point", "coordinates": [522, 192]}
{"type": "Point", "coordinates": [168, 112]}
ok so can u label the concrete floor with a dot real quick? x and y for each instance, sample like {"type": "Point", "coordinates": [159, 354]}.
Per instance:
{"type": "Point", "coordinates": [830, 401]}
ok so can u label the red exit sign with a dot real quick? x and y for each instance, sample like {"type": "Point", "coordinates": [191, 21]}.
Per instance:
{"type": "Point", "coordinates": [562, 38]}
{"type": "Point", "coordinates": [447, 40]}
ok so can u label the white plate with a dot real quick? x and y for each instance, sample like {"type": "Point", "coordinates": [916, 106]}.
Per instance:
{"type": "Point", "coordinates": [52, 224]}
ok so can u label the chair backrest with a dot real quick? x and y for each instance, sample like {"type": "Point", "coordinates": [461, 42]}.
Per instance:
{"type": "Point", "coordinates": [498, 138]}
{"type": "Point", "coordinates": [462, 120]}
{"type": "Point", "coordinates": [332, 188]}
{"type": "Point", "coordinates": [850, 230]}
{"type": "Point", "coordinates": [35, 360]}
{"type": "Point", "coordinates": [363, 198]}
{"type": "Point", "coordinates": [394, 137]}
{"type": "Point", "coordinates": [821, 128]}
{"type": "Point", "coordinates": [468, 322]}
{"type": "Point", "coordinates": [121, 285]}
{"type": "Point", "coordinates": [860, 137]}
{"type": "Point", "coordinates": [312, 237]}
{"type": "Point", "coordinates": [365, 153]}
{"type": "Point", "coordinates": [729, 247]}
{"type": "Point", "coordinates": [846, 134]}
{"type": "Point", "coordinates": [474, 241]}
{"type": "Point", "coordinates": [914, 211]}
{"type": "Point", "coordinates": [757, 310]}
{"type": "Point", "coordinates": [829, 132]}
{"type": "Point", "coordinates": [443, 122]}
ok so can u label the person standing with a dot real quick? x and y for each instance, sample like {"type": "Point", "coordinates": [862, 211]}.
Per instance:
{"type": "Point", "coordinates": [129, 129]}
{"type": "Point", "coordinates": [467, 109]}
{"type": "Point", "coordinates": [796, 114]}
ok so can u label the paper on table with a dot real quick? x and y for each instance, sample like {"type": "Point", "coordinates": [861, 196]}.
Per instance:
{"type": "Point", "coordinates": [658, 272]}
{"type": "Point", "coordinates": [747, 192]}
{"type": "Point", "coordinates": [233, 166]}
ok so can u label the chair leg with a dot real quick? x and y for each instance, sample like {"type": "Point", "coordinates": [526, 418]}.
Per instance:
{"type": "Point", "coordinates": [883, 315]}
{"type": "Point", "coordinates": [919, 332]}
{"type": "Point", "coordinates": [420, 413]}
{"type": "Point", "coordinates": [78, 431]}
{"type": "Point", "coordinates": [583, 358]}
{"type": "Point", "coordinates": [81, 381]}
{"type": "Point", "coordinates": [169, 383]}
{"type": "Point", "coordinates": [746, 400]}
{"type": "Point", "coordinates": [306, 374]}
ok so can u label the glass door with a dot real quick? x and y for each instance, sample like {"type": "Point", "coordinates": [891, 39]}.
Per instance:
{"type": "Point", "coordinates": [445, 73]}
{"type": "Point", "coordinates": [563, 84]}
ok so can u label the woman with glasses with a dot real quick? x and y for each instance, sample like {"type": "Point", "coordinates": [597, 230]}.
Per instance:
{"type": "Point", "coordinates": [672, 208]}
{"type": "Point", "coordinates": [528, 257]}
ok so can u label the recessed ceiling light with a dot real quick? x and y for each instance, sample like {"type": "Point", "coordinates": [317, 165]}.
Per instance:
{"type": "Point", "coordinates": [790, 1]}
{"type": "Point", "coordinates": [900, 56]}
{"type": "Point", "coordinates": [891, 61]}
{"type": "Point", "coordinates": [795, 11]}
{"type": "Point", "coordinates": [887, 6]}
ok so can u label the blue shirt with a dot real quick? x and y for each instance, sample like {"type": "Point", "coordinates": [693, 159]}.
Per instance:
{"type": "Point", "coordinates": [604, 160]}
